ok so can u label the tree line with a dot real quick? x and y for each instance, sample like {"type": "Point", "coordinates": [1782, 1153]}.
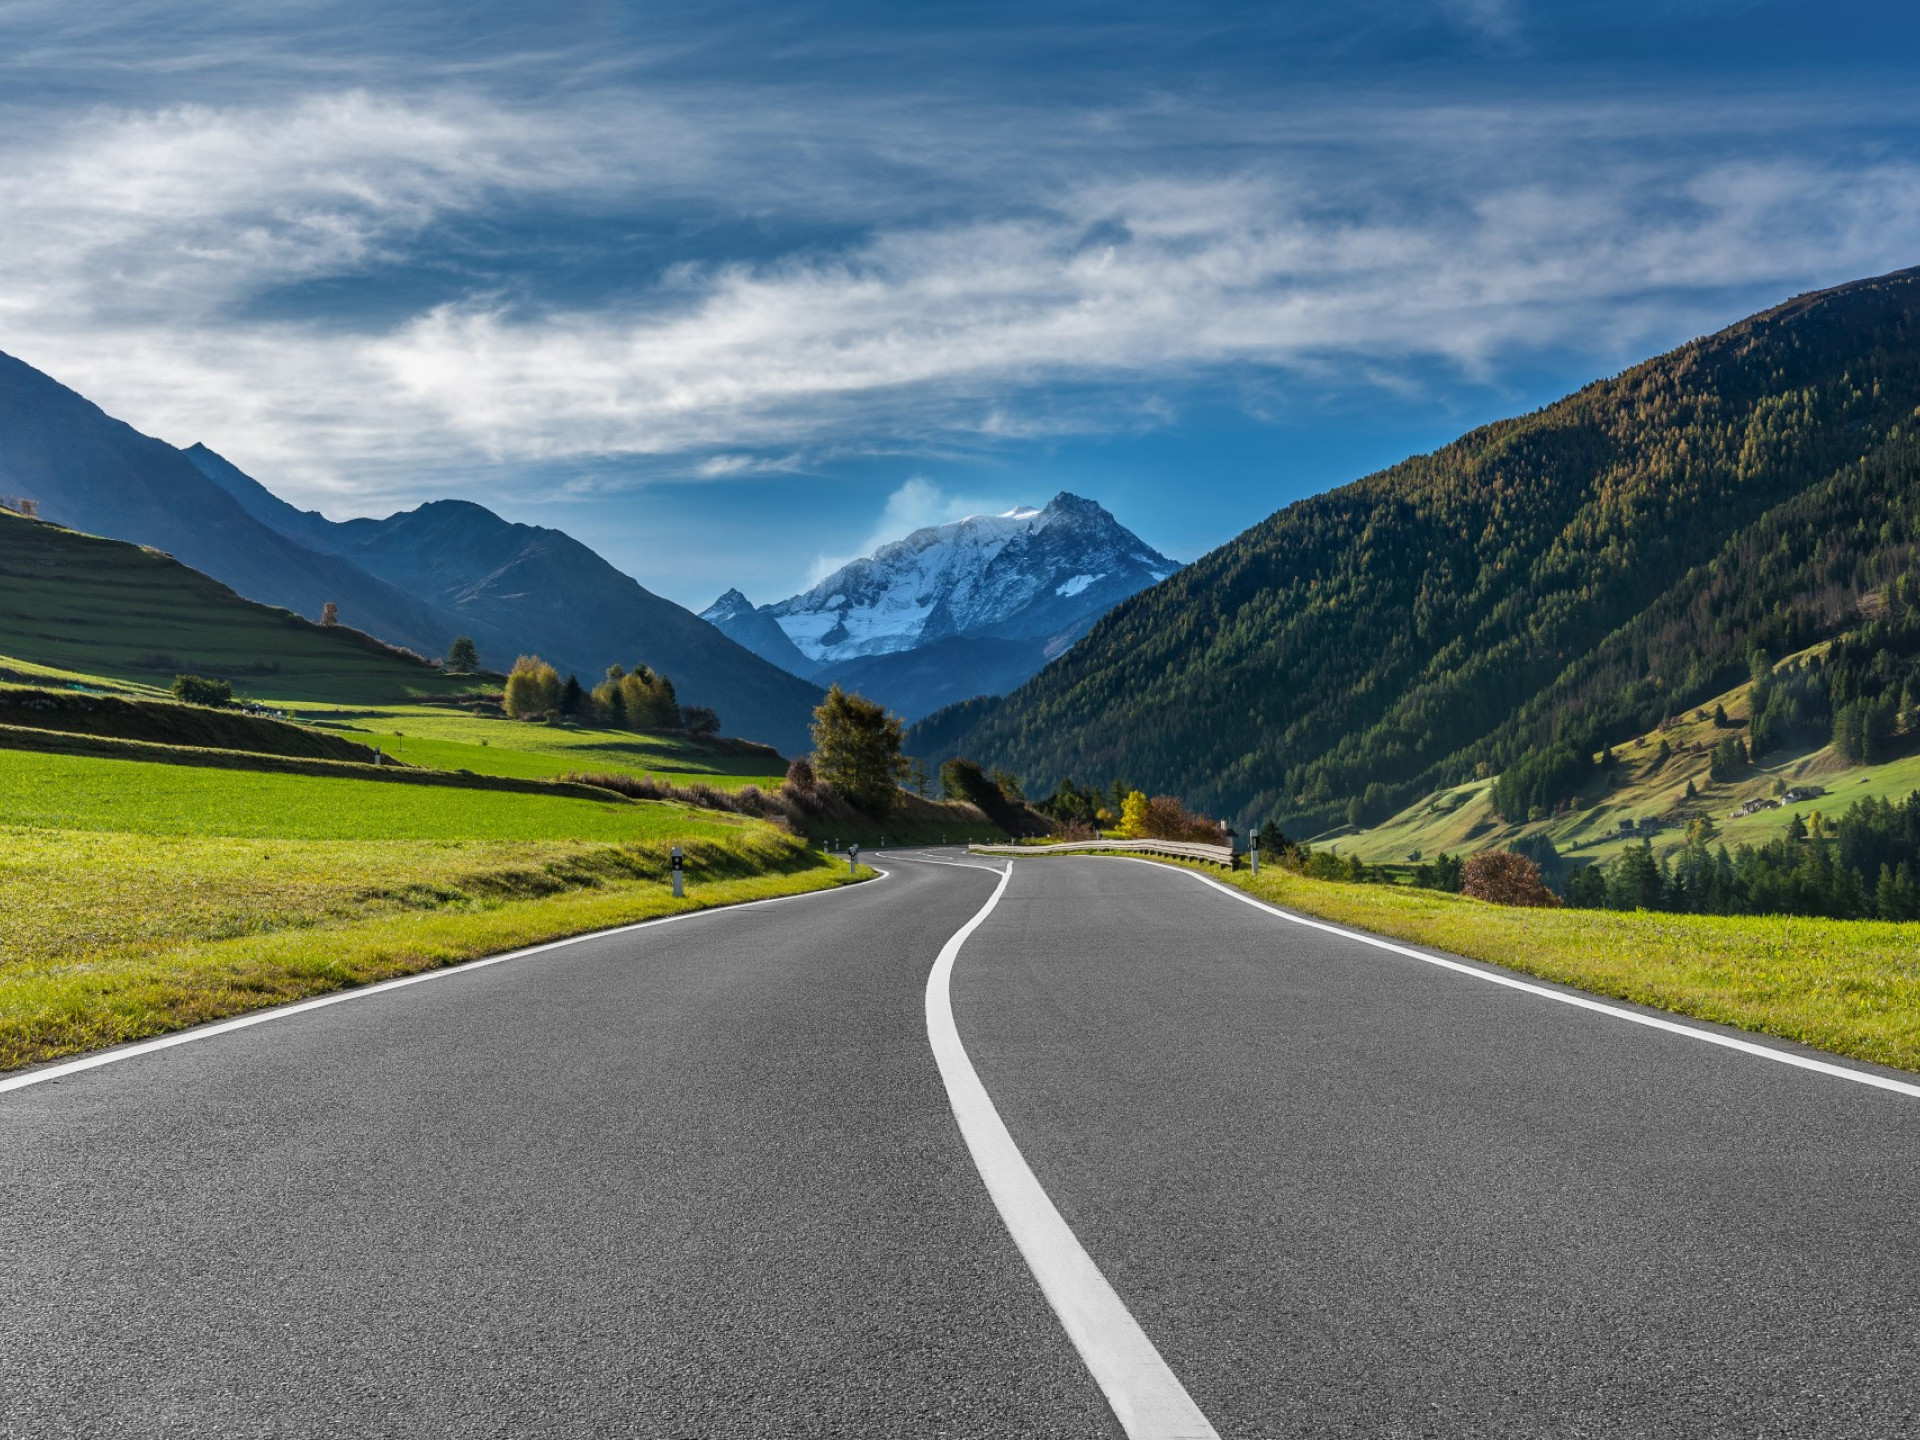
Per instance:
{"type": "Point", "coordinates": [636, 699]}
{"type": "Point", "coordinates": [1863, 866]}
{"type": "Point", "coordinates": [1566, 575]}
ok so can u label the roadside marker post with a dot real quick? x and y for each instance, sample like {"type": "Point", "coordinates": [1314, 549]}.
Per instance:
{"type": "Point", "coordinates": [853, 858]}
{"type": "Point", "coordinates": [679, 861]}
{"type": "Point", "coordinates": [1253, 851]}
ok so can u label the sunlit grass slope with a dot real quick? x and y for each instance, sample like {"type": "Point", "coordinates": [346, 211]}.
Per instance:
{"type": "Point", "coordinates": [454, 739]}
{"type": "Point", "coordinates": [82, 605]}
{"type": "Point", "coordinates": [142, 897]}
{"type": "Point", "coordinates": [1642, 788]}
{"type": "Point", "coordinates": [78, 792]}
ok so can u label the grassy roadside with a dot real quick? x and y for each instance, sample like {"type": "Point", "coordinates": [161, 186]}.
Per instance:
{"type": "Point", "coordinates": [105, 947]}
{"type": "Point", "coordinates": [1851, 987]}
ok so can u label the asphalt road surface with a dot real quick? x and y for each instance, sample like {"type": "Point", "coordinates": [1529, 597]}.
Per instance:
{"type": "Point", "coordinates": [703, 1179]}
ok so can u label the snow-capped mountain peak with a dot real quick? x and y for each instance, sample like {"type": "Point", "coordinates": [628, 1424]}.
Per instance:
{"type": "Point", "coordinates": [1010, 591]}
{"type": "Point", "coordinates": [985, 574]}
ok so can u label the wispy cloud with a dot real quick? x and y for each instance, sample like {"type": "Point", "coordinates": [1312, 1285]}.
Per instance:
{"type": "Point", "coordinates": [159, 261]}
{"type": "Point", "coordinates": [914, 505]}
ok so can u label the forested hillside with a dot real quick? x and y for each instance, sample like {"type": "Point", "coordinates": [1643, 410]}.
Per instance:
{"type": "Point", "coordinates": [1589, 567]}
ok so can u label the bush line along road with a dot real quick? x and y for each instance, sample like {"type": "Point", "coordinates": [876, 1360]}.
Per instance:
{"type": "Point", "coordinates": [705, 1178]}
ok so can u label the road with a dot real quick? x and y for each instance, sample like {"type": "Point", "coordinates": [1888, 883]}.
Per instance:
{"type": "Point", "coordinates": [704, 1179]}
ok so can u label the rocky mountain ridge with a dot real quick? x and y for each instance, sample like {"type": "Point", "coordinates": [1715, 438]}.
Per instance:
{"type": "Point", "coordinates": [973, 606]}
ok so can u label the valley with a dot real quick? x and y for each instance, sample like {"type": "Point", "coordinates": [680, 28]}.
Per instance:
{"type": "Point", "coordinates": [355, 814]}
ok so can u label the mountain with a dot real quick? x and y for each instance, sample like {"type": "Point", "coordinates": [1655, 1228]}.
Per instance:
{"type": "Point", "coordinates": [416, 580]}
{"type": "Point", "coordinates": [525, 588]}
{"type": "Point", "coordinates": [1575, 573]}
{"type": "Point", "coordinates": [735, 616]}
{"type": "Point", "coordinates": [96, 474]}
{"type": "Point", "coordinates": [971, 607]}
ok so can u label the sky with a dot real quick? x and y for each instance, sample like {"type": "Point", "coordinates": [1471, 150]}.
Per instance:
{"type": "Point", "coordinates": [734, 291]}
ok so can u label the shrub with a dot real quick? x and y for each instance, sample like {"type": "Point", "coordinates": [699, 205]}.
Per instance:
{"type": "Point", "coordinates": [799, 774]}
{"type": "Point", "coordinates": [1504, 878]}
{"type": "Point", "coordinates": [700, 719]}
{"type": "Point", "coordinates": [195, 690]}
{"type": "Point", "coordinates": [1164, 817]}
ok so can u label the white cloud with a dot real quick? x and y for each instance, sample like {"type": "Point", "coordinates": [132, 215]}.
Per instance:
{"type": "Point", "coordinates": [146, 259]}
{"type": "Point", "coordinates": [914, 505]}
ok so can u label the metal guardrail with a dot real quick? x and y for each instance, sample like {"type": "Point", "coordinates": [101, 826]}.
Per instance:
{"type": "Point", "coordinates": [1222, 855]}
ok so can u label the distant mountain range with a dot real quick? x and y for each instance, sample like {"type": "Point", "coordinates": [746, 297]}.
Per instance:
{"type": "Point", "coordinates": [416, 579]}
{"type": "Point", "coordinates": [1576, 575]}
{"type": "Point", "coordinates": [976, 606]}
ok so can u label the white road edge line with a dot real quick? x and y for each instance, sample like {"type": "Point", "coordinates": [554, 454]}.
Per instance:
{"type": "Point", "coordinates": [340, 997]}
{"type": "Point", "coordinates": [951, 864]}
{"type": "Point", "coordinates": [1652, 1022]}
{"type": "Point", "coordinates": [1147, 1397]}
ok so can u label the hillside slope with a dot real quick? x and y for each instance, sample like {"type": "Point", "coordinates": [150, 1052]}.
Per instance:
{"type": "Point", "coordinates": [525, 588]}
{"type": "Point", "coordinates": [1602, 561]}
{"type": "Point", "coordinates": [99, 475]}
{"type": "Point", "coordinates": [82, 603]}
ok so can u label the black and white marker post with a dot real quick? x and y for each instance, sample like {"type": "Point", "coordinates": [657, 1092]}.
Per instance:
{"type": "Point", "coordinates": [853, 858]}
{"type": "Point", "coordinates": [679, 870]}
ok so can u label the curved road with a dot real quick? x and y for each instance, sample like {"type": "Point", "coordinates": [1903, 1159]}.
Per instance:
{"type": "Point", "coordinates": [703, 1179]}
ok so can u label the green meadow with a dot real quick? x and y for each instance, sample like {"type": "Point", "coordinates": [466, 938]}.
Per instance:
{"type": "Point", "coordinates": [78, 792]}
{"type": "Point", "coordinates": [453, 739]}
{"type": "Point", "coordinates": [142, 897]}
{"type": "Point", "coordinates": [85, 606]}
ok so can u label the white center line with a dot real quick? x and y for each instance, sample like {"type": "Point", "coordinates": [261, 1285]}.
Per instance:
{"type": "Point", "coordinates": [1147, 1397]}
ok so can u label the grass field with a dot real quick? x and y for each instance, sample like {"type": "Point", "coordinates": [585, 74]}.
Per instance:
{"type": "Point", "coordinates": [1642, 789]}
{"type": "Point", "coordinates": [451, 739]}
{"type": "Point", "coordinates": [142, 897]}
{"type": "Point", "coordinates": [84, 793]}
{"type": "Point", "coordinates": [82, 605]}
{"type": "Point", "coordinates": [114, 937]}
{"type": "Point", "coordinates": [14, 670]}
{"type": "Point", "coordinates": [1851, 987]}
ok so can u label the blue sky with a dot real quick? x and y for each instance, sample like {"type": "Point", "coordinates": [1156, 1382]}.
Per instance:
{"type": "Point", "coordinates": [730, 291]}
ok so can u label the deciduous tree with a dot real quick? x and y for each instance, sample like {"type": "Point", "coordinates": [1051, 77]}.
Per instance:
{"type": "Point", "coordinates": [533, 688]}
{"type": "Point", "coordinates": [856, 749]}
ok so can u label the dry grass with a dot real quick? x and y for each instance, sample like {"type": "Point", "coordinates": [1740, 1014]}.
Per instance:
{"type": "Point", "coordinates": [1851, 987]}
{"type": "Point", "coordinates": [114, 937]}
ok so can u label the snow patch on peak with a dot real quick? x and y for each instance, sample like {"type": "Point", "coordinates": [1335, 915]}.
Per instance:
{"type": "Point", "coordinates": [1008, 574]}
{"type": "Point", "coordinates": [727, 606]}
